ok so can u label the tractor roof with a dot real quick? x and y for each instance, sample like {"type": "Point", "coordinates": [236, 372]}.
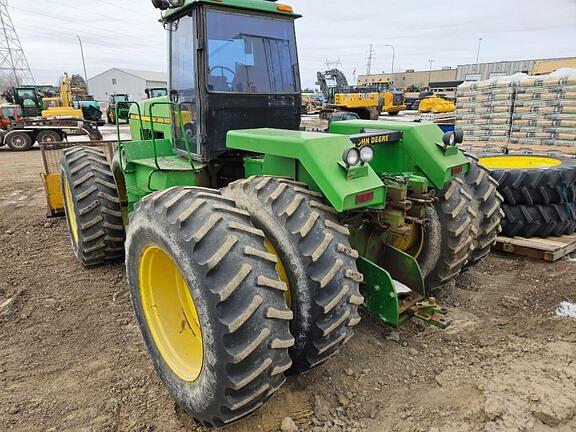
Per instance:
{"type": "Point", "coordinates": [269, 6]}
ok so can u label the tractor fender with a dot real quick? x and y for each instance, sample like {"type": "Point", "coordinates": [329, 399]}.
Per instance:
{"type": "Point", "coordinates": [420, 151]}
{"type": "Point", "coordinates": [316, 159]}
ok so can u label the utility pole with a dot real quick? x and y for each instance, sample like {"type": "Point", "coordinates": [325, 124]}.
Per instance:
{"type": "Point", "coordinates": [83, 64]}
{"type": "Point", "coordinates": [478, 53]}
{"type": "Point", "coordinates": [14, 68]}
{"type": "Point", "coordinates": [430, 72]}
{"type": "Point", "coordinates": [370, 59]}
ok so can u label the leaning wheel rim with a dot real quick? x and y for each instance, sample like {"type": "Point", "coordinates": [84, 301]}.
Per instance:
{"type": "Point", "coordinates": [519, 162]}
{"type": "Point", "coordinates": [170, 313]}
{"type": "Point", "coordinates": [70, 211]}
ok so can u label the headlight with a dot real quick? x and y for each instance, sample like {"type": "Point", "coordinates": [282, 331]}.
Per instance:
{"type": "Point", "coordinates": [449, 139]}
{"type": "Point", "coordinates": [459, 136]}
{"type": "Point", "coordinates": [351, 156]}
{"type": "Point", "coordinates": [366, 154]}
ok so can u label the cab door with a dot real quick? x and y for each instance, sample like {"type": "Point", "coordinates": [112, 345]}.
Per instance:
{"type": "Point", "coordinates": [184, 85]}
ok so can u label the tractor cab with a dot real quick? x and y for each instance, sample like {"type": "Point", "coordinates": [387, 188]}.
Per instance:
{"type": "Point", "coordinates": [231, 68]}
{"type": "Point", "coordinates": [115, 98]}
{"type": "Point", "coordinates": [29, 99]}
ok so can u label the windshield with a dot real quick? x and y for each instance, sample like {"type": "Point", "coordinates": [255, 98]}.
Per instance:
{"type": "Point", "coordinates": [154, 93]}
{"type": "Point", "coordinates": [120, 98]}
{"type": "Point", "coordinates": [251, 54]}
{"type": "Point", "coordinates": [26, 93]}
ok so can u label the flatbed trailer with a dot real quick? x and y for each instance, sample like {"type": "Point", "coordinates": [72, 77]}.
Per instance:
{"type": "Point", "coordinates": [22, 134]}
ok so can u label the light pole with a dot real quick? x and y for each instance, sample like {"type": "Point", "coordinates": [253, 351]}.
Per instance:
{"type": "Point", "coordinates": [430, 72]}
{"type": "Point", "coordinates": [393, 55]}
{"type": "Point", "coordinates": [478, 53]}
{"type": "Point", "coordinates": [83, 63]}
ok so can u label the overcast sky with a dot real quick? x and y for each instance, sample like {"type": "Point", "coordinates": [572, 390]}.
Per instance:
{"type": "Point", "coordinates": [125, 33]}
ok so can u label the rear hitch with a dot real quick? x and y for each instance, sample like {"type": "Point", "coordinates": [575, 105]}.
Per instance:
{"type": "Point", "coordinates": [429, 311]}
{"type": "Point", "coordinates": [395, 291]}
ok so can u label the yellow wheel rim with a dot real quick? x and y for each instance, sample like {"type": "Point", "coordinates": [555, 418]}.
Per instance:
{"type": "Point", "coordinates": [171, 313]}
{"type": "Point", "coordinates": [412, 243]}
{"type": "Point", "coordinates": [281, 272]}
{"type": "Point", "coordinates": [70, 211]}
{"type": "Point", "coordinates": [519, 162]}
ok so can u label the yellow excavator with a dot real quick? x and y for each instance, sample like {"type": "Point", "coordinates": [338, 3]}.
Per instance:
{"type": "Point", "coordinates": [367, 102]}
{"type": "Point", "coordinates": [62, 106]}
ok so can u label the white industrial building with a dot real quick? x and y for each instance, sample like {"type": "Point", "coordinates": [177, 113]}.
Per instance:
{"type": "Point", "coordinates": [125, 81]}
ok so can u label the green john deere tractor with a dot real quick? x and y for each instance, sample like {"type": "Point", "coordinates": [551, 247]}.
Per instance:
{"type": "Point", "coordinates": [118, 109]}
{"type": "Point", "coordinates": [250, 244]}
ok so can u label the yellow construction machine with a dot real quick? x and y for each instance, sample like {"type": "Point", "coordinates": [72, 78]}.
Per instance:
{"type": "Point", "coordinates": [367, 102]}
{"type": "Point", "coordinates": [62, 106]}
{"type": "Point", "coordinates": [339, 96]}
{"type": "Point", "coordinates": [436, 105]}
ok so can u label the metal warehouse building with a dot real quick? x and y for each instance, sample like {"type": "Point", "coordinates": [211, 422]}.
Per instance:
{"type": "Point", "coordinates": [128, 81]}
{"type": "Point", "coordinates": [469, 72]}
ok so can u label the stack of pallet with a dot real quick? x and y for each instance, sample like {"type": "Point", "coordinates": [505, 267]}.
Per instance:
{"type": "Point", "coordinates": [484, 109]}
{"type": "Point", "coordinates": [545, 110]}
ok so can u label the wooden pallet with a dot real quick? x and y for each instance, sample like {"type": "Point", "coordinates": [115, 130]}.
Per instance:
{"type": "Point", "coordinates": [548, 249]}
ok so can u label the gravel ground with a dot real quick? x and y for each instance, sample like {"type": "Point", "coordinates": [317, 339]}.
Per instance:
{"type": "Point", "coordinates": [71, 358]}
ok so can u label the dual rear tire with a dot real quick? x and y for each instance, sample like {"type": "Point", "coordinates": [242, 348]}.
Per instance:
{"type": "Point", "coordinates": [267, 298]}
{"type": "Point", "coordinates": [220, 302]}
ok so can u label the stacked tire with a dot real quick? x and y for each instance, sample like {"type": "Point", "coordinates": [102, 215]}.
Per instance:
{"type": "Point", "coordinates": [539, 194]}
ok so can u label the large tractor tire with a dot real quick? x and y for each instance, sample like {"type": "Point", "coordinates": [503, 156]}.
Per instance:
{"type": "Point", "coordinates": [315, 258]}
{"type": "Point", "coordinates": [487, 206]}
{"type": "Point", "coordinates": [209, 303]}
{"type": "Point", "coordinates": [455, 216]}
{"type": "Point", "coordinates": [533, 180]}
{"type": "Point", "coordinates": [92, 207]}
{"type": "Point", "coordinates": [540, 220]}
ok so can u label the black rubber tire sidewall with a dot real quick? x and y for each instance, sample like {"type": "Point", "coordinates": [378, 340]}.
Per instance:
{"type": "Point", "coordinates": [102, 239]}
{"type": "Point", "coordinates": [302, 273]}
{"type": "Point", "coordinates": [536, 186]}
{"type": "Point", "coordinates": [157, 221]}
{"type": "Point", "coordinates": [27, 141]}
{"type": "Point", "coordinates": [52, 133]}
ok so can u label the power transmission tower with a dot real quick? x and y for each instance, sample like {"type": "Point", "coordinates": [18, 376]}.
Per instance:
{"type": "Point", "coordinates": [371, 57]}
{"type": "Point", "coordinates": [14, 68]}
